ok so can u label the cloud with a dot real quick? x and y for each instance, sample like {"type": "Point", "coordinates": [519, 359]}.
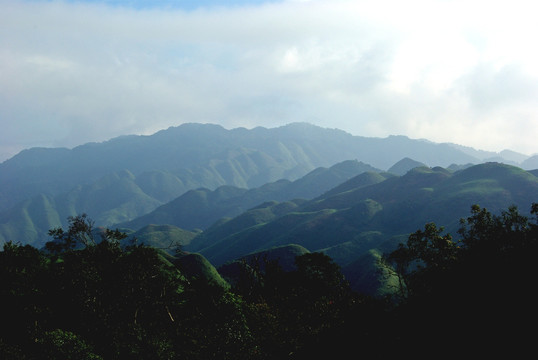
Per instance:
{"type": "Point", "coordinates": [443, 70]}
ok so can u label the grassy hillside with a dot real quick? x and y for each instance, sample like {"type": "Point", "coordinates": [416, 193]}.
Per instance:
{"type": "Point", "coordinates": [166, 237]}
{"type": "Point", "coordinates": [404, 165]}
{"type": "Point", "coordinates": [125, 200]}
{"type": "Point", "coordinates": [194, 209]}
{"type": "Point", "coordinates": [113, 198]}
{"type": "Point", "coordinates": [374, 218]}
{"type": "Point", "coordinates": [200, 208]}
{"type": "Point", "coordinates": [259, 215]}
{"type": "Point", "coordinates": [30, 221]}
{"type": "Point", "coordinates": [195, 267]}
{"type": "Point", "coordinates": [368, 275]}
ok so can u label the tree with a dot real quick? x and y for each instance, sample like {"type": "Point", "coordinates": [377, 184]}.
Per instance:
{"type": "Point", "coordinates": [486, 233]}
{"type": "Point", "coordinates": [81, 232]}
{"type": "Point", "coordinates": [23, 270]}
{"type": "Point", "coordinates": [426, 254]}
{"type": "Point", "coordinates": [474, 288]}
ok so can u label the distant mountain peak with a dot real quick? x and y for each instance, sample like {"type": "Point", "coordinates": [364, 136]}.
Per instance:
{"type": "Point", "coordinates": [404, 165]}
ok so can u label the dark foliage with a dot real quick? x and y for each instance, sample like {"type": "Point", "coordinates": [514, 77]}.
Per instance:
{"type": "Point", "coordinates": [470, 295]}
{"type": "Point", "coordinates": [87, 299]}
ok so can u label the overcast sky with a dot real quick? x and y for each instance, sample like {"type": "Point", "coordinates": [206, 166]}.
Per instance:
{"type": "Point", "coordinates": [448, 71]}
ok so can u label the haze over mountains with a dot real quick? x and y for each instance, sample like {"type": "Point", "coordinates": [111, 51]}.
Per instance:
{"type": "Point", "coordinates": [227, 193]}
{"type": "Point", "coordinates": [127, 177]}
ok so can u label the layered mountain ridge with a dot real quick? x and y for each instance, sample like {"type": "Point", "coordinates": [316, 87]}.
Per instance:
{"type": "Point", "coordinates": [120, 181]}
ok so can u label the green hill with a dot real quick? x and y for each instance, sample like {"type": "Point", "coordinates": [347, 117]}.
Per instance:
{"type": "Point", "coordinates": [202, 207]}
{"type": "Point", "coordinates": [258, 215]}
{"type": "Point", "coordinates": [194, 209]}
{"type": "Point", "coordinates": [166, 237]}
{"type": "Point", "coordinates": [29, 221]}
{"type": "Point", "coordinates": [285, 255]}
{"type": "Point", "coordinates": [354, 223]}
{"type": "Point", "coordinates": [368, 275]}
{"type": "Point", "coordinates": [121, 196]}
{"type": "Point", "coordinates": [361, 180]}
{"type": "Point", "coordinates": [195, 267]}
{"type": "Point", "coordinates": [404, 165]}
{"type": "Point", "coordinates": [113, 198]}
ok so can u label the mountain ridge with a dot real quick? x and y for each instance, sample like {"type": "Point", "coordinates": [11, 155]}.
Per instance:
{"type": "Point", "coordinates": [122, 178]}
{"type": "Point", "coordinates": [373, 218]}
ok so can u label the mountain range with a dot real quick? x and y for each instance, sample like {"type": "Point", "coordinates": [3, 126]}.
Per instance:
{"type": "Point", "coordinates": [195, 155]}
{"type": "Point", "coordinates": [368, 215]}
{"type": "Point", "coordinates": [361, 219]}
{"type": "Point", "coordinates": [124, 178]}
{"type": "Point", "coordinates": [225, 194]}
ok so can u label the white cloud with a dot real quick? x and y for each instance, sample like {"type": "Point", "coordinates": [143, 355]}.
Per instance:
{"type": "Point", "coordinates": [459, 71]}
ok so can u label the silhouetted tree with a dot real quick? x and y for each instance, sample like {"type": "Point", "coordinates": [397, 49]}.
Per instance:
{"type": "Point", "coordinates": [474, 288]}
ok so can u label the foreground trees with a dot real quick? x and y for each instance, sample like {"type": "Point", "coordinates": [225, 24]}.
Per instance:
{"type": "Point", "coordinates": [101, 297]}
{"type": "Point", "coordinates": [475, 291]}
{"type": "Point", "coordinates": [88, 297]}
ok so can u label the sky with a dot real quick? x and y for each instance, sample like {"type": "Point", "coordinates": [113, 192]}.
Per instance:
{"type": "Point", "coordinates": [454, 71]}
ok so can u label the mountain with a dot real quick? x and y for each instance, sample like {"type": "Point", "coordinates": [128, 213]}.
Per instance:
{"type": "Point", "coordinates": [165, 237]}
{"type": "Point", "coordinates": [205, 155]}
{"type": "Point", "coordinates": [505, 156]}
{"type": "Point", "coordinates": [531, 163]}
{"type": "Point", "coordinates": [478, 154]}
{"type": "Point", "coordinates": [200, 208]}
{"type": "Point", "coordinates": [404, 165]}
{"type": "Point", "coordinates": [368, 275]}
{"type": "Point", "coordinates": [113, 198]}
{"type": "Point", "coordinates": [122, 196]}
{"type": "Point", "coordinates": [194, 209]}
{"type": "Point", "coordinates": [119, 180]}
{"type": "Point", "coordinates": [372, 219]}
{"type": "Point", "coordinates": [364, 179]}
{"type": "Point", "coordinates": [513, 156]}
{"type": "Point", "coordinates": [250, 219]}
{"type": "Point", "coordinates": [195, 267]}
